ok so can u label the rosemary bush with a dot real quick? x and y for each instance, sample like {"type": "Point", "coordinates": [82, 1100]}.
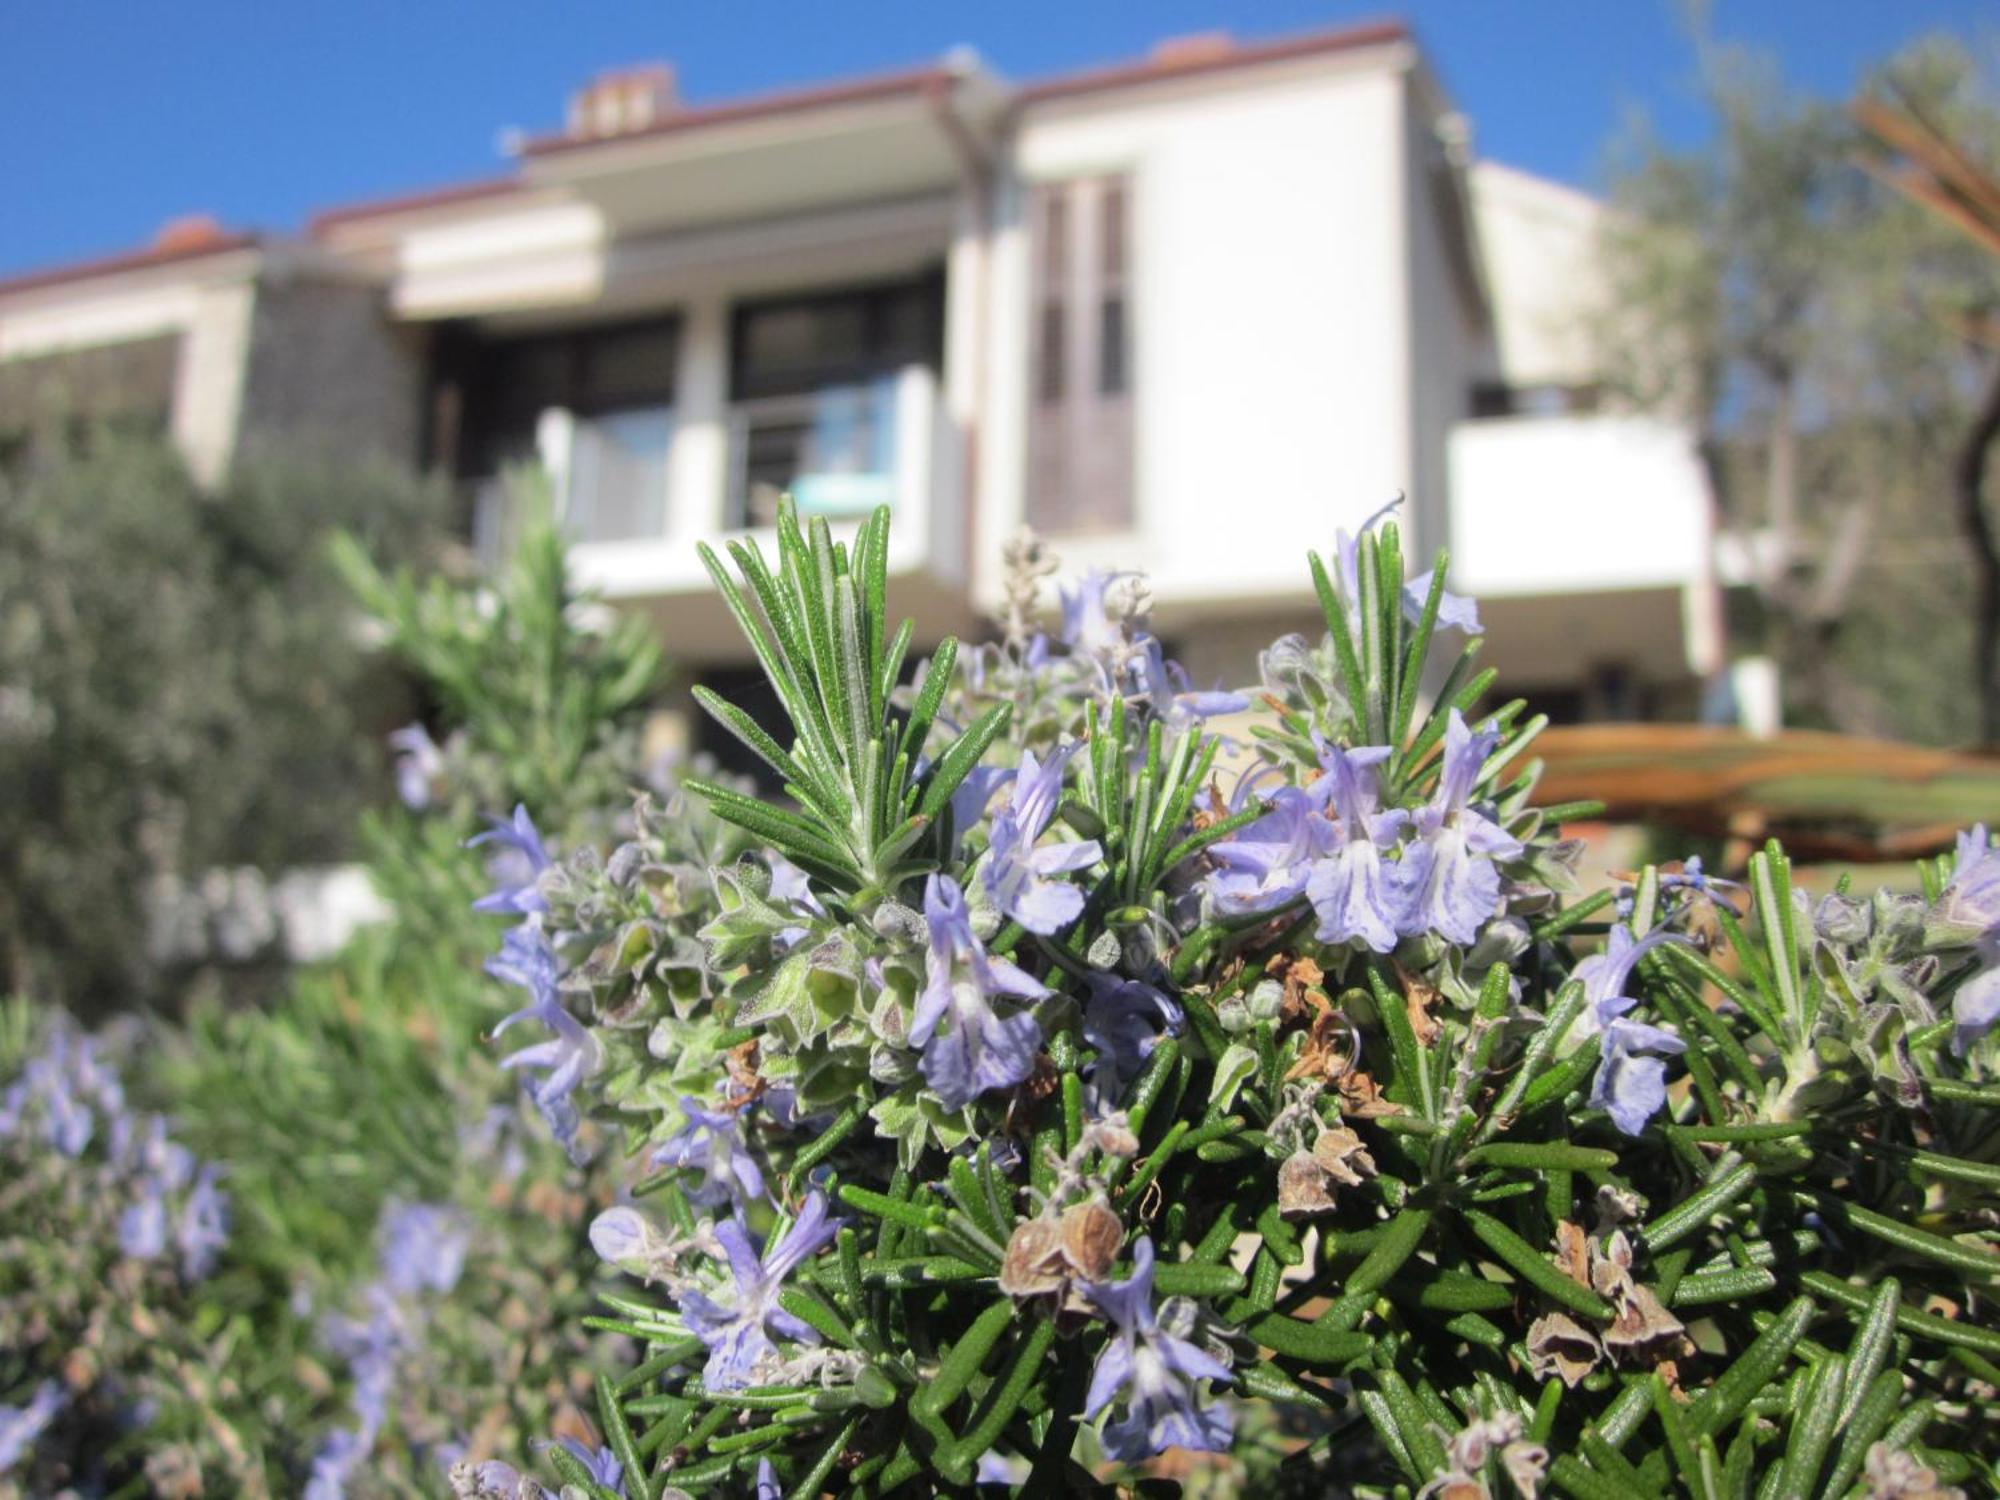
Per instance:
{"type": "Point", "coordinates": [1025, 1095]}
{"type": "Point", "coordinates": [388, 1276]}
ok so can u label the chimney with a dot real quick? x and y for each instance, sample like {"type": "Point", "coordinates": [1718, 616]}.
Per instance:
{"type": "Point", "coordinates": [188, 233]}
{"type": "Point", "coordinates": [622, 101]}
{"type": "Point", "coordinates": [1193, 49]}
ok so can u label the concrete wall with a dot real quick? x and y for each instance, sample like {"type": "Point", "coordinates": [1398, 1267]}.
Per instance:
{"type": "Point", "coordinates": [328, 371]}
{"type": "Point", "coordinates": [1271, 348]}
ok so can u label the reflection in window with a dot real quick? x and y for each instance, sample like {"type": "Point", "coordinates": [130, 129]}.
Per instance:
{"type": "Point", "coordinates": [609, 388]}
{"type": "Point", "coordinates": [618, 475]}
{"type": "Point", "coordinates": [814, 388]}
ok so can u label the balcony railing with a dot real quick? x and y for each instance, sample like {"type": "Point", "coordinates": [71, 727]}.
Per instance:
{"type": "Point", "coordinates": [833, 451]}
{"type": "Point", "coordinates": [839, 452]}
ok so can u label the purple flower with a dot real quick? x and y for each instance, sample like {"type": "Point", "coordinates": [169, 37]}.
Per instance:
{"type": "Point", "coordinates": [1976, 1006]}
{"type": "Point", "coordinates": [423, 1247]}
{"type": "Point", "coordinates": [526, 959]}
{"type": "Point", "coordinates": [1603, 976]}
{"type": "Point", "coordinates": [600, 1463]}
{"type": "Point", "coordinates": [1448, 880]}
{"type": "Point", "coordinates": [67, 1121]}
{"type": "Point", "coordinates": [969, 802]}
{"type": "Point", "coordinates": [153, 1153]}
{"type": "Point", "coordinates": [739, 1344]}
{"type": "Point", "coordinates": [1454, 610]}
{"type": "Point", "coordinates": [1123, 1021]}
{"type": "Point", "coordinates": [1017, 875]}
{"type": "Point", "coordinates": [419, 763]}
{"type": "Point", "coordinates": [1968, 910]}
{"type": "Point", "coordinates": [789, 887]}
{"type": "Point", "coordinates": [1350, 888]}
{"type": "Point", "coordinates": [515, 865]}
{"type": "Point", "coordinates": [621, 1234]}
{"type": "Point", "coordinates": [204, 1225]}
{"type": "Point", "coordinates": [570, 1055]}
{"type": "Point", "coordinates": [1630, 1086]}
{"type": "Point", "coordinates": [1164, 686]}
{"type": "Point", "coordinates": [1266, 865]}
{"type": "Point", "coordinates": [1970, 902]}
{"type": "Point", "coordinates": [1156, 1371]}
{"type": "Point", "coordinates": [336, 1459]}
{"type": "Point", "coordinates": [21, 1425]}
{"type": "Point", "coordinates": [979, 1049]}
{"type": "Point", "coordinates": [713, 1141]}
{"type": "Point", "coordinates": [142, 1227]}
{"type": "Point", "coordinates": [1087, 626]}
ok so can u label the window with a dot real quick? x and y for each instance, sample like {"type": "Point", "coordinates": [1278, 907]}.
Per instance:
{"type": "Point", "coordinates": [1111, 345]}
{"type": "Point", "coordinates": [814, 395]}
{"type": "Point", "coordinates": [1054, 355]}
{"type": "Point", "coordinates": [618, 474]}
{"type": "Point", "coordinates": [1111, 362]}
{"type": "Point", "coordinates": [1080, 424]}
{"type": "Point", "coordinates": [611, 391]}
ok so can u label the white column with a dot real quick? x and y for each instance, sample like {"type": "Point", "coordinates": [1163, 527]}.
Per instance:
{"type": "Point", "coordinates": [698, 462]}
{"type": "Point", "coordinates": [555, 443]}
{"type": "Point", "coordinates": [208, 386]}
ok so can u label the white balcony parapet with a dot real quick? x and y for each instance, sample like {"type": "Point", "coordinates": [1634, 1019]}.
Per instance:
{"type": "Point", "coordinates": [904, 416]}
{"type": "Point", "coordinates": [1577, 504]}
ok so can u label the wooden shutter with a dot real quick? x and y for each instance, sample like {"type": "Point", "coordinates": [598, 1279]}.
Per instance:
{"type": "Point", "coordinates": [1081, 369]}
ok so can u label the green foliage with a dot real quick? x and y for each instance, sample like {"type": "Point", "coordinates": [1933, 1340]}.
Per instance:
{"type": "Point", "coordinates": [366, 1086]}
{"type": "Point", "coordinates": [1427, 1208]}
{"type": "Point", "coordinates": [542, 688]}
{"type": "Point", "coordinates": [819, 629]}
{"type": "Point", "coordinates": [1811, 324]}
{"type": "Point", "coordinates": [182, 690]}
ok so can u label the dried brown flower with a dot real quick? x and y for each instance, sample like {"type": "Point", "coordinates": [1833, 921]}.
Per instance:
{"type": "Point", "coordinates": [1559, 1345]}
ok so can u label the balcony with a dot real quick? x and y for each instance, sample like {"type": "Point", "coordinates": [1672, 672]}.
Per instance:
{"type": "Point", "coordinates": [839, 452]}
{"type": "Point", "coordinates": [1587, 539]}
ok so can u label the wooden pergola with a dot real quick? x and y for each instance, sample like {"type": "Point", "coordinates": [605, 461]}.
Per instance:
{"type": "Point", "coordinates": [1828, 796]}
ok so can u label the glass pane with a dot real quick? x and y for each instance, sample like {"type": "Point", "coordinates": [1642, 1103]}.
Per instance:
{"type": "Point", "coordinates": [800, 346]}
{"type": "Point", "coordinates": [833, 452]}
{"type": "Point", "coordinates": [618, 475]}
{"type": "Point", "coordinates": [1055, 233]}
{"type": "Point", "coordinates": [1111, 371]}
{"type": "Point", "coordinates": [1053, 353]}
{"type": "Point", "coordinates": [1114, 232]}
{"type": "Point", "coordinates": [628, 366]}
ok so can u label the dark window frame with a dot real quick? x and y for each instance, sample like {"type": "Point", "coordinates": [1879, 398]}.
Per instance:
{"type": "Point", "coordinates": [881, 353]}
{"type": "Point", "coordinates": [490, 403]}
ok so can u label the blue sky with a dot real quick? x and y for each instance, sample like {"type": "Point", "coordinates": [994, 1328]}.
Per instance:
{"type": "Point", "coordinates": [116, 115]}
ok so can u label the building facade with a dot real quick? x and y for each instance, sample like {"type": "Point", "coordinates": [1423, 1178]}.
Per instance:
{"type": "Point", "coordinates": [1187, 315]}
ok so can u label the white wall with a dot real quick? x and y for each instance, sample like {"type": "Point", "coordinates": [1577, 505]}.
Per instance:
{"type": "Point", "coordinates": [1270, 334]}
{"type": "Point", "coordinates": [1450, 334]}
{"type": "Point", "coordinates": [1540, 240]}
{"type": "Point", "coordinates": [208, 388]}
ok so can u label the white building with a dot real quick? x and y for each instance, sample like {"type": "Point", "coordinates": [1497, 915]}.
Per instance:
{"type": "Point", "coordinates": [1188, 315]}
